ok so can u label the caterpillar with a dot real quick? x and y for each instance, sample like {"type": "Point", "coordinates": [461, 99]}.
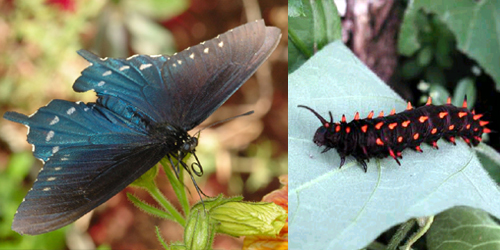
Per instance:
{"type": "Point", "coordinates": [385, 136]}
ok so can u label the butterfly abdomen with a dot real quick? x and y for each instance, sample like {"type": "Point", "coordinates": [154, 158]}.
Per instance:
{"type": "Point", "coordinates": [389, 135]}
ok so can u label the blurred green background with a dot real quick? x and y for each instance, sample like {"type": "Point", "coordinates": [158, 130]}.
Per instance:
{"type": "Point", "coordinates": [38, 63]}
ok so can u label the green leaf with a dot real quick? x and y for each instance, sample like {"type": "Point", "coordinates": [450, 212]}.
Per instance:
{"type": "Point", "coordinates": [408, 42]}
{"type": "Point", "coordinates": [308, 33]}
{"type": "Point", "coordinates": [465, 87]}
{"type": "Point", "coordinates": [295, 8]}
{"type": "Point", "coordinates": [160, 238]}
{"type": "Point", "coordinates": [332, 208]}
{"type": "Point", "coordinates": [463, 228]}
{"type": "Point", "coordinates": [475, 26]}
{"type": "Point", "coordinates": [147, 208]}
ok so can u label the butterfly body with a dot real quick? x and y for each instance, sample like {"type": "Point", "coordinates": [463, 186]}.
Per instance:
{"type": "Point", "coordinates": [145, 107]}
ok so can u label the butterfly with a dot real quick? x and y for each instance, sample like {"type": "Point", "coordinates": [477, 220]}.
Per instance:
{"type": "Point", "coordinates": [145, 106]}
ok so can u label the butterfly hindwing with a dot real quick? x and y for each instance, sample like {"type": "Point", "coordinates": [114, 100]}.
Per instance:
{"type": "Point", "coordinates": [76, 180]}
{"type": "Point", "coordinates": [90, 154]}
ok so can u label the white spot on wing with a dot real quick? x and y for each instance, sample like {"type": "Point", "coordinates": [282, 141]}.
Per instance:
{"type": "Point", "coordinates": [71, 111]}
{"type": "Point", "coordinates": [86, 109]}
{"type": "Point", "coordinates": [174, 65]}
{"type": "Point", "coordinates": [33, 114]}
{"type": "Point", "coordinates": [205, 51]}
{"type": "Point", "coordinates": [107, 73]}
{"type": "Point", "coordinates": [46, 189]}
{"type": "Point", "coordinates": [122, 68]}
{"type": "Point", "coordinates": [57, 168]}
{"type": "Point", "coordinates": [130, 57]}
{"type": "Point", "coordinates": [145, 66]}
{"type": "Point", "coordinates": [179, 61]}
{"type": "Point", "coordinates": [188, 48]}
{"type": "Point", "coordinates": [221, 44]}
{"type": "Point", "coordinates": [55, 149]}
{"type": "Point", "coordinates": [191, 56]}
{"type": "Point", "coordinates": [50, 135]}
{"type": "Point", "coordinates": [153, 56]}
{"type": "Point", "coordinates": [54, 121]}
{"type": "Point", "coordinates": [202, 43]}
{"type": "Point", "coordinates": [101, 83]}
{"type": "Point", "coordinates": [51, 179]}
{"type": "Point", "coordinates": [104, 59]}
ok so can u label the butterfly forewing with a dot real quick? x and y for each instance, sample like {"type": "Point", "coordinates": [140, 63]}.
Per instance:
{"type": "Point", "coordinates": [185, 88]}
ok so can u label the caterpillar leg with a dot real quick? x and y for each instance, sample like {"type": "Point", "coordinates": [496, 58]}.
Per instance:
{"type": "Point", "coordinates": [342, 161]}
{"type": "Point", "coordinates": [363, 164]}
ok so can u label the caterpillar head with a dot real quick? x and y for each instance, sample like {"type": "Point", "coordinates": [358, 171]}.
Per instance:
{"type": "Point", "coordinates": [325, 135]}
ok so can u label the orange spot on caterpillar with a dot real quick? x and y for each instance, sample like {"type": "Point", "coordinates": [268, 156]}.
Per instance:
{"type": "Point", "coordinates": [452, 140]}
{"type": "Point", "coordinates": [477, 117]}
{"type": "Point", "coordinates": [348, 130]}
{"type": "Point", "coordinates": [483, 123]}
{"type": "Point", "coordinates": [451, 127]}
{"type": "Point", "coordinates": [343, 118]}
{"type": "Point", "coordinates": [337, 128]}
{"type": "Point", "coordinates": [486, 130]}
{"type": "Point", "coordinates": [434, 131]}
{"type": "Point", "coordinates": [379, 125]}
{"type": "Point", "coordinates": [400, 139]}
{"type": "Point", "coordinates": [462, 114]}
{"type": "Point", "coordinates": [448, 101]}
{"type": "Point", "coordinates": [415, 136]}
{"type": "Point", "coordinates": [405, 123]}
{"type": "Point", "coordinates": [429, 101]}
{"type": "Point", "coordinates": [370, 115]}
{"type": "Point", "coordinates": [418, 149]}
{"type": "Point", "coordinates": [423, 118]}
{"type": "Point", "coordinates": [379, 142]}
{"type": "Point", "coordinates": [409, 107]}
{"type": "Point", "coordinates": [364, 128]}
{"type": "Point", "coordinates": [467, 126]}
{"type": "Point", "coordinates": [393, 125]}
{"type": "Point", "coordinates": [381, 114]}
{"type": "Point", "coordinates": [393, 112]}
{"type": "Point", "coordinates": [356, 116]}
{"type": "Point", "coordinates": [443, 114]}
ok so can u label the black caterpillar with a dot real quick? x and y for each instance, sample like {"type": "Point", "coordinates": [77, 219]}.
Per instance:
{"type": "Point", "coordinates": [389, 136]}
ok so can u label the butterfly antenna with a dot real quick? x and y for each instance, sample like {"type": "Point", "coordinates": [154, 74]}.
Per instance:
{"type": "Point", "coordinates": [225, 120]}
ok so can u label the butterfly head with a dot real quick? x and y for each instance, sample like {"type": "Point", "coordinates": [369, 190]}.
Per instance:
{"type": "Point", "coordinates": [189, 145]}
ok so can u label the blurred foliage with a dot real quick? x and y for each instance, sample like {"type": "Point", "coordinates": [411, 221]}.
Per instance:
{"type": "Point", "coordinates": [472, 23]}
{"type": "Point", "coordinates": [12, 192]}
{"type": "Point", "coordinates": [311, 26]}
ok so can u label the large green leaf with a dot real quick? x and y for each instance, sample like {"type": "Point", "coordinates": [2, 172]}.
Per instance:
{"type": "Point", "coordinates": [332, 208]}
{"type": "Point", "coordinates": [317, 25]}
{"type": "Point", "coordinates": [475, 24]}
{"type": "Point", "coordinates": [463, 228]}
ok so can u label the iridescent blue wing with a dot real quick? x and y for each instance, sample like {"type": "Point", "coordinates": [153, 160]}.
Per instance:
{"type": "Point", "coordinates": [185, 88]}
{"type": "Point", "coordinates": [90, 154]}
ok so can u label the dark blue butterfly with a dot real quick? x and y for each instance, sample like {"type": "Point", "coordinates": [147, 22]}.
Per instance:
{"type": "Point", "coordinates": [145, 106]}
